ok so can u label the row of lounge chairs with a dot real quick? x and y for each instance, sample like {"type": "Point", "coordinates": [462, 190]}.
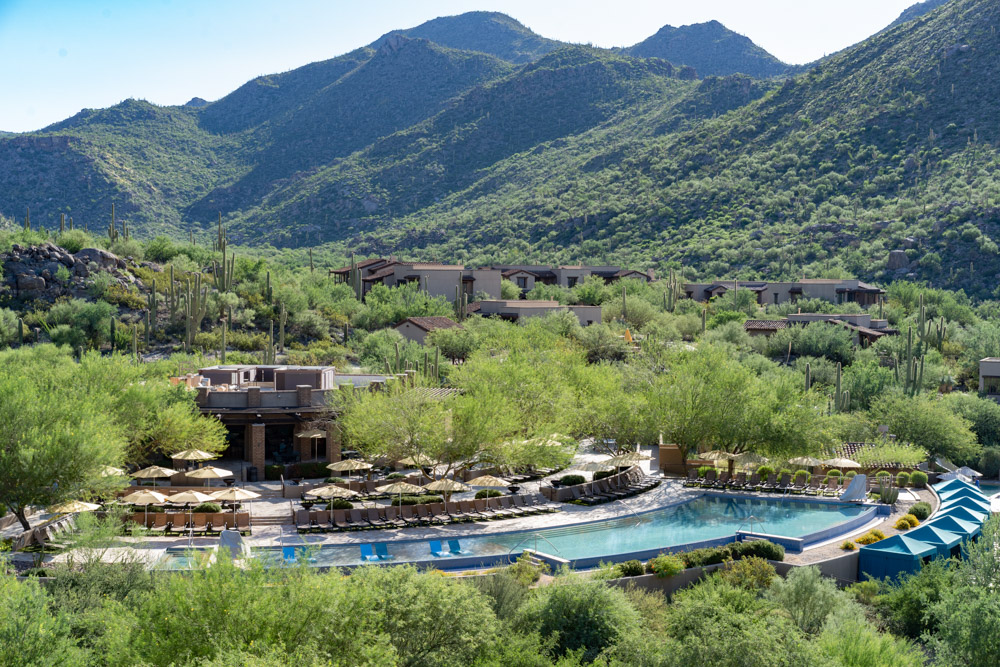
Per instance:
{"type": "Point", "coordinates": [431, 514]}
{"type": "Point", "coordinates": [199, 523]}
{"type": "Point", "coordinates": [603, 491]}
{"type": "Point", "coordinates": [834, 486]}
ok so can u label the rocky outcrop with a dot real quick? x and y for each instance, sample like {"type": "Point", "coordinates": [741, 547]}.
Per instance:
{"type": "Point", "coordinates": [47, 271]}
{"type": "Point", "coordinates": [897, 260]}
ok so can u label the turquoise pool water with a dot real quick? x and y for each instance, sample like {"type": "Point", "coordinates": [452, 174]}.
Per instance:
{"type": "Point", "coordinates": [991, 488]}
{"type": "Point", "coordinates": [698, 520]}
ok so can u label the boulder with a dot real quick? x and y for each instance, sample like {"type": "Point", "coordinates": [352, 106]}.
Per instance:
{"type": "Point", "coordinates": [897, 260]}
{"type": "Point", "coordinates": [30, 283]}
{"type": "Point", "coordinates": [102, 258]}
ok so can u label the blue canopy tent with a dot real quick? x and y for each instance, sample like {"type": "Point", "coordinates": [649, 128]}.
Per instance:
{"type": "Point", "coordinates": [894, 556]}
{"type": "Point", "coordinates": [945, 540]}
{"type": "Point", "coordinates": [951, 484]}
{"type": "Point", "coordinates": [964, 514]}
{"type": "Point", "coordinates": [954, 524]}
{"type": "Point", "coordinates": [970, 503]}
{"type": "Point", "coordinates": [962, 493]}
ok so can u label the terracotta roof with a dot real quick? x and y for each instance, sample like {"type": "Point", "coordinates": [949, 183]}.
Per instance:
{"type": "Point", "coordinates": [765, 325]}
{"type": "Point", "coordinates": [380, 274]}
{"type": "Point", "coordinates": [875, 333]}
{"type": "Point", "coordinates": [431, 323]}
{"type": "Point", "coordinates": [851, 449]}
{"type": "Point", "coordinates": [362, 264]}
{"type": "Point", "coordinates": [512, 272]}
{"type": "Point", "coordinates": [473, 307]}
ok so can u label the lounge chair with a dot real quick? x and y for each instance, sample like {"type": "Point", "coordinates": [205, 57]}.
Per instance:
{"type": "Point", "coordinates": [407, 515]}
{"type": "Point", "coordinates": [483, 510]}
{"type": "Point", "coordinates": [392, 518]}
{"type": "Point", "coordinates": [507, 504]}
{"type": "Point", "coordinates": [358, 519]}
{"type": "Point", "coordinates": [382, 551]}
{"type": "Point", "coordinates": [367, 554]}
{"type": "Point", "coordinates": [200, 525]}
{"type": "Point", "coordinates": [709, 480]}
{"type": "Point", "coordinates": [426, 516]}
{"type": "Point", "coordinates": [722, 482]}
{"type": "Point", "coordinates": [771, 484]}
{"type": "Point", "coordinates": [437, 550]}
{"type": "Point", "coordinates": [814, 486]}
{"type": "Point", "coordinates": [375, 520]}
{"type": "Point", "coordinates": [740, 482]}
{"type": "Point", "coordinates": [160, 524]}
{"type": "Point", "coordinates": [439, 512]}
{"type": "Point", "coordinates": [522, 502]}
{"type": "Point", "coordinates": [785, 484]}
{"type": "Point", "coordinates": [832, 486]}
{"type": "Point", "coordinates": [455, 548]}
{"type": "Point", "coordinates": [753, 484]}
{"type": "Point", "coordinates": [692, 478]}
{"type": "Point", "coordinates": [289, 556]}
{"type": "Point", "coordinates": [799, 485]}
{"type": "Point", "coordinates": [339, 520]}
{"type": "Point", "coordinates": [302, 523]}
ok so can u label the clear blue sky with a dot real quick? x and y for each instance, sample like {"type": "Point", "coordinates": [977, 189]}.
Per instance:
{"type": "Point", "coordinates": [59, 56]}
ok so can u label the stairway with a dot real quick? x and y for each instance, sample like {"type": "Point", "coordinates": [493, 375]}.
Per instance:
{"type": "Point", "coordinates": [278, 520]}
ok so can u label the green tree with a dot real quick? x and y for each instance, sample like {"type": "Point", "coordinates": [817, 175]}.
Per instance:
{"type": "Point", "coordinates": [927, 423]}
{"type": "Point", "coordinates": [31, 636]}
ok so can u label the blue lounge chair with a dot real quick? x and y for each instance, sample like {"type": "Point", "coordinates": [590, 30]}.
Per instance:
{"type": "Point", "coordinates": [382, 551]}
{"type": "Point", "coordinates": [288, 553]}
{"type": "Point", "coordinates": [437, 550]}
{"type": "Point", "coordinates": [367, 554]}
{"type": "Point", "coordinates": [455, 548]}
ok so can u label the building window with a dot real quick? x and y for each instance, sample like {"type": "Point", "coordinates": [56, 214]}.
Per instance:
{"type": "Point", "coordinates": [776, 298]}
{"type": "Point", "coordinates": [522, 282]}
{"type": "Point", "coordinates": [571, 282]}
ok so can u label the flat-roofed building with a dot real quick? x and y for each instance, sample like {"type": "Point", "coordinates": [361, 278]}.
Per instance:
{"type": "Point", "coordinates": [526, 276]}
{"type": "Point", "coordinates": [519, 309]}
{"type": "Point", "coordinates": [436, 279]}
{"type": "Point", "coordinates": [989, 377]}
{"type": "Point", "coordinates": [771, 293]}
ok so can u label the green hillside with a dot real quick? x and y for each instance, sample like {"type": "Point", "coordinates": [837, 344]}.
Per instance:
{"type": "Point", "coordinates": [579, 154]}
{"type": "Point", "coordinates": [712, 49]}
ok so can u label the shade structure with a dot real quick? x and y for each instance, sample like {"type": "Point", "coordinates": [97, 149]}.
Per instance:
{"type": "Point", "coordinates": [144, 497]}
{"type": "Point", "coordinates": [234, 494]}
{"type": "Point", "coordinates": [808, 461]}
{"type": "Point", "coordinates": [841, 462]}
{"type": "Point", "coordinates": [418, 461]}
{"type": "Point", "coordinates": [944, 540]}
{"type": "Point", "coordinates": [154, 473]}
{"type": "Point", "coordinates": [591, 466]}
{"type": "Point", "coordinates": [111, 471]}
{"type": "Point", "coordinates": [189, 497]}
{"type": "Point", "coordinates": [954, 524]}
{"type": "Point", "coordinates": [209, 473]}
{"type": "Point", "coordinates": [750, 459]}
{"type": "Point", "coordinates": [402, 487]}
{"type": "Point", "coordinates": [447, 486]}
{"type": "Point", "coordinates": [715, 455]}
{"type": "Point", "coordinates": [491, 481]}
{"type": "Point", "coordinates": [349, 464]}
{"type": "Point", "coordinates": [969, 472]}
{"type": "Point", "coordinates": [73, 506]}
{"type": "Point", "coordinates": [332, 491]}
{"type": "Point", "coordinates": [628, 458]}
{"type": "Point", "coordinates": [894, 556]}
{"type": "Point", "coordinates": [964, 492]}
{"type": "Point", "coordinates": [953, 484]}
{"type": "Point", "coordinates": [955, 476]}
{"type": "Point", "coordinates": [193, 455]}
{"type": "Point", "coordinates": [969, 503]}
{"type": "Point", "coordinates": [964, 513]}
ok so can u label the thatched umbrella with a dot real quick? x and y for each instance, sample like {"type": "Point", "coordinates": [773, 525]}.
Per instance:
{"type": "Point", "coordinates": [154, 473]}
{"type": "Point", "coordinates": [401, 488]}
{"type": "Point", "coordinates": [447, 487]}
{"type": "Point", "coordinates": [209, 473]}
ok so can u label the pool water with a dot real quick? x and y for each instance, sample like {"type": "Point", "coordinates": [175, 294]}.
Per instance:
{"type": "Point", "coordinates": [701, 519]}
{"type": "Point", "coordinates": [989, 488]}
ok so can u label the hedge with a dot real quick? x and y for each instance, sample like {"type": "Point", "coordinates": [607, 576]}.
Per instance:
{"type": "Point", "coordinates": [208, 508]}
{"type": "Point", "coordinates": [273, 472]}
{"type": "Point", "coordinates": [921, 510]}
{"type": "Point", "coordinates": [488, 493]}
{"type": "Point", "coordinates": [416, 500]}
{"type": "Point", "coordinates": [571, 480]}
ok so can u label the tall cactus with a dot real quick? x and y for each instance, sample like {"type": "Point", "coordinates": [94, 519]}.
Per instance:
{"type": "Point", "coordinates": [704, 319]}
{"type": "Point", "coordinates": [223, 276]}
{"type": "Point", "coordinates": [20, 331]}
{"type": "Point", "coordinates": [222, 347]}
{"type": "Point", "coordinates": [808, 377]}
{"type": "Point", "coordinates": [841, 399]}
{"type": "Point", "coordinates": [151, 306]}
{"type": "Point", "coordinates": [62, 223]}
{"type": "Point", "coordinates": [311, 267]}
{"type": "Point", "coordinates": [267, 288]}
{"type": "Point", "coordinates": [27, 219]}
{"type": "Point", "coordinates": [114, 331]}
{"type": "Point", "coordinates": [624, 306]}
{"type": "Point", "coordinates": [282, 320]}
{"type": "Point", "coordinates": [113, 226]}
{"type": "Point", "coordinates": [195, 309]}
{"type": "Point", "coordinates": [270, 352]}
{"type": "Point", "coordinates": [135, 342]}
{"type": "Point", "coordinates": [146, 333]}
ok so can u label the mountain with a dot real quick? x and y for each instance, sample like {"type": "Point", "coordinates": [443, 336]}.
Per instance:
{"type": "Point", "coordinates": [916, 11]}
{"type": "Point", "coordinates": [486, 32]}
{"type": "Point", "coordinates": [580, 154]}
{"type": "Point", "coordinates": [711, 49]}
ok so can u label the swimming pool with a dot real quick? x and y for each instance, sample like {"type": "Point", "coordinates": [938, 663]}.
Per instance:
{"type": "Point", "coordinates": [699, 521]}
{"type": "Point", "coordinates": [990, 488]}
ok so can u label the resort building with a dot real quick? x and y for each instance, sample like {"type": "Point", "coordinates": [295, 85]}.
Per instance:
{"type": "Point", "coordinates": [265, 409]}
{"type": "Point", "coordinates": [435, 279]}
{"type": "Point", "coordinates": [865, 330]}
{"type": "Point", "coordinates": [989, 377]}
{"type": "Point", "coordinates": [526, 276]}
{"type": "Point", "coordinates": [834, 291]}
{"type": "Point", "coordinates": [517, 310]}
{"type": "Point", "coordinates": [417, 328]}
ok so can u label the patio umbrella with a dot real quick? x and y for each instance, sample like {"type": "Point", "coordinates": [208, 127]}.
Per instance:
{"type": "Point", "coordinates": [145, 498]}
{"type": "Point", "coordinates": [153, 473]}
{"type": "Point", "coordinates": [73, 506]}
{"type": "Point", "coordinates": [628, 458]}
{"type": "Point", "coordinates": [968, 472]}
{"type": "Point", "coordinates": [111, 471]}
{"type": "Point", "coordinates": [349, 464]}
{"type": "Point", "coordinates": [805, 461]}
{"type": "Point", "coordinates": [448, 487]}
{"type": "Point", "coordinates": [234, 494]}
{"type": "Point", "coordinates": [401, 488]}
{"type": "Point", "coordinates": [313, 435]}
{"type": "Point", "coordinates": [332, 491]}
{"type": "Point", "coordinates": [418, 461]}
{"type": "Point", "coordinates": [841, 463]}
{"type": "Point", "coordinates": [490, 481]}
{"type": "Point", "coordinates": [186, 498]}
{"type": "Point", "coordinates": [193, 455]}
{"type": "Point", "coordinates": [209, 473]}
{"type": "Point", "coordinates": [589, 466]}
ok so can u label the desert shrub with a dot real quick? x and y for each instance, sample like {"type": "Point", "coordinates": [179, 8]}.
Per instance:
{"type": "Point", "coordinates": [758, 548]}
{"type": "Point", "coordinates": [703, 557]}
{"type": "Point", "coordinates": [904, 605]}
{"type": "Point", "coordinates": [921, 510]}
{"type": "Point", "coordinates": [415, 500]}
{"type": "Point", "coordinates": [208, 508]}
{"type": "Point", "coordinates": [395, 475]}
{"type": "Point", "coordinates": [526, 571]}
{"type": "Point", "coordinates": [918, 478]}
{"type": "Point", "coordinates": [127, 248]}
{"type": "Point", "coordinates": [848, 546]}
{"type": "Point", "coordinates": [488, 493]}
{"type": "Point", "coordinates": [75, 240]}
{"type": "Point", "coordinates": [902, 479]}
{"type": "Point", "coordinates": [273, 472]}
{"type": "Point", "coordinates": [161, 249]}
{"type": "Point", "coordinates": [571, 480]}
{"type": "Point", "coordinates": [630, 568]}
{"type": "Point", "coordinates": [902, 524]}
{"type": "Point", "coordinates": [665, 565]}
{"type": "Point", "coordinates": [340, 504]}
{"type": "Point", "coordinates": [850, 639]}
{"type": "Point", "coordinates": [752, 573]}
{"type": "Point", "coordinates": [807, 596]}
{"type": "Point", "coordinates": [912, 520]}
{"type": "Point", "coordinates": [834, 473]}
{"type": "Point", "coordinates": [864, 592]}
{"type": "Point", "coordinates": [871, 537]}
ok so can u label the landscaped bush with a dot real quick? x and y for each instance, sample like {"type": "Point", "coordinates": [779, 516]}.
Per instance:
{"type": "Point", "coordinates": [757, 548]}
{"type": "Point", "coordinates": [921, 510]}
{"type": "Point", "coordinates": [704, 470]}
{"type": "Point", "coordinates": [415, 500]}
{"type": "Point", "coordinates": [273, 472]}
{"type": "Point", "coordinates": [902, 524]}
{"type": "Point", "coordinates": [752, 573]}
{"type": "Point", "coordinates": [764, 471]}
{"type": "Point", "coordinates": [918, 478]}
{"type": "Point", "coordinates": [803, 473]}
{"type": "Point", "coordinates": [848, 546]}
{"type": "Point", "coordinates": [630, 568]}
{"type": "Point", "coordinates": [851, 474]}
{"type": "Point", "coordinates": [308, 470]}
{"type": "Point", "coordinates": [871, 537]}
{"type": "Point", "coordinates": [784, 471]}
{"type": "Point", "coordinates": [912, 520]}
{"type": "Point", "coordinates": [339, 504]}
{"type": "Point", "coordinates": [989, 462]}
{"type": "Point", "coordinates": [834, 473]}
{"type": "Point", "coordinates": [208, 508]}
{"type": "Point", "coordinates": [902, 479]}
{"type": "Point", "coordinates": [488, 493]}
{"type": "Point", "coordinates": [864, 592]}
{"type": "Point", "coordinates": [665, 565]}
{"type": "Point", "coordinates": [571, 480]}
{"type": "Point", "coordinates": [601, 474]}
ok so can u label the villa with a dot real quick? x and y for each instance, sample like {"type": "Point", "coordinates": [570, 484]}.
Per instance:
{"type": "Point", "coordinates": [863, 328]}
{"type": "Point", "coordinates": [834, 291]}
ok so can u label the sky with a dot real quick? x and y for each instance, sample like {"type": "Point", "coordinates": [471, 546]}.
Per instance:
{"type": "Point", "coordinates": [60, 56]}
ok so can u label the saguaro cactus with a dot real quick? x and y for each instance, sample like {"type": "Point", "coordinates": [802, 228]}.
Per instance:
{"type": "Point", "coordinates": [282, 319]}
{"type": "Point", "coordinates": [808, 377]}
